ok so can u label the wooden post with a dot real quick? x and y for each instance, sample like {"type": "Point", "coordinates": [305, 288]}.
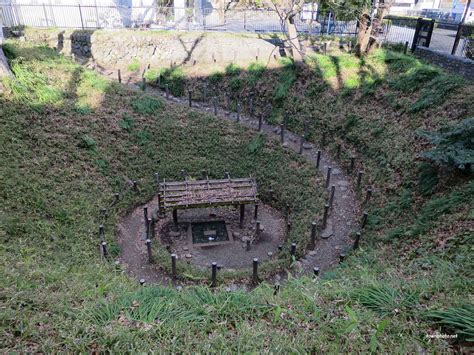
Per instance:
{"type": "Point", "coordinates": [175, 217]}
{"type": "Point", "coordinates": [338, 151]}
{"type": "Point", "coordinates": [117, 197]}
{"type": "Point", "coordinates": [151, 227]}
{"type": "Point", "coordinates": [316, 271]}
{"type": "Point", "coordinates": [145, 214]}
{"type": "Point", "coordinates": [173, 266]}
{"type": "Point", "coordinates": [325, 215]}
{"type": "Point", "coordinates": [257, 228]}
{"type": "Point", "coordinates": [167, 90]}
{"type": "Point", "coordinates": [255, 213]}
{"type": "Point", "coordinates": [148, 249]}
{"type": "Point", "coordinates": [214, 104]}
{"type": "Point", "coordinates": [331, 196]}
{"type": "Point", "coordinates": [318, 159]}
{"type": "Point", "coordinates": [313, 235]}
{"type": "Point", "coordinates": [255, 271]}
{"type": "Point", "coordinates": [190, 98]}
{"type": "Point", "coordinates": [247, 245]}
{"type": "Point", "coordinates": [367, 197]}
{"type": "Point", "coordinates": [282, 133]}
{"type": "Point", "coordinates": [364, 220]}
{"type": "Point", "coordinates": [238, 111]}
{"type": "Point", "coordinates": [135, 186]}
{"type": "Point", "coordinates": [328, 177]}
{"type": "Point", "coordinates": [144, 84]}
{"type": "Point", "coordinates": [288, 228]}
{"type": "Point", "coordinates": [341, 258]}
{"type": "Point", "coordinates": [293, 249]}
{"type": "Point", "coordinates": [104, 249]}
{"type": "Point", "coordinates": [351, 168]}
{"type": "Point", "coordinates": [213, 274]}
{"type": "Point", "coordinates": [242, 216]}
{"type": "Point", "coordinates": [119, 76]}
{"type": "Point", "coordinates": [405, 49]}
{"type": "Point", "coordinates": [356, 241]}
{"type": "Point", "coordinates": [359, 179]}
{"type": "Point", "coordinates": [260, 122]}
{"type": "Point", "coordinates": [301, 145]}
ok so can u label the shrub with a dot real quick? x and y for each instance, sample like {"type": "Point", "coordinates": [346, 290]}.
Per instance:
{"type": "Point", "coordinates": [216, 77]}
{"type": "Point", "coordinates": [236, 84]}
{"type": "Point", "coordinates": [147, 105]}
{"type": "Point", "coordinates": [151, 75]}
{"type": "Point", "coordinates": [255, 71]}
{"type": "Point", "coordinates": [454, 145]}
{"type": "Point", "coordinates": [232, 69]}
{"type": "Point", "coordinates": [134, 65]}
{"type": "Point", "coordinates": [174, 78]}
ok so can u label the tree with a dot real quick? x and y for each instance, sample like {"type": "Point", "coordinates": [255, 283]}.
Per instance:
{"type": "Point", "coordinates": [369, 15]}
{"type": "Point", "coordinates": [287, 10]}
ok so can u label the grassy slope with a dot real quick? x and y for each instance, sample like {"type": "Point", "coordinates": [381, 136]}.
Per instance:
{"type": "Point", "coordinates": [67, 147]}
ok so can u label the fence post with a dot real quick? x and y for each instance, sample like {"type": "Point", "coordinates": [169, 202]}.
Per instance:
{"type": "Point", "coordinates": [97, 15]}
{"type": "Point", "coordinates": [82, 20]}
{"type": "Point", "coordinates": [45, 15]}
{"type": "Point", "coordinates": [245, 20]}
{"type": "Point", "coordinates": [457, 39]}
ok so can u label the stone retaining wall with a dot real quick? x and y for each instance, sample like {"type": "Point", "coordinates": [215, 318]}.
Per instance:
{"type": "Point", "coordinates": [458, 65]}
{"type": "Point", "coordinates": [115, 48]}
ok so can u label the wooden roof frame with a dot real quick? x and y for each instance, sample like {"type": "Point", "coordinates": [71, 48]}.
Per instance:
{"type": "Point", "coordinates": [188, 194]}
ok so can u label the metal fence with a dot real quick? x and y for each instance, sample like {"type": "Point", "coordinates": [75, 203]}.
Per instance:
{"type": "Point", "coordinates": [189, 18]}
{"type": "Point", "coordinates": [447, 37]}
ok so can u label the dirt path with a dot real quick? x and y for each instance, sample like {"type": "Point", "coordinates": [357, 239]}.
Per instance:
{"type": "Point", "coordinates": [343, 217]}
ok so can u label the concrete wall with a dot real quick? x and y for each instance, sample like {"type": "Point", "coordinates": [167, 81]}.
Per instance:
{"type": "Point", "coordinates": [458, 65]}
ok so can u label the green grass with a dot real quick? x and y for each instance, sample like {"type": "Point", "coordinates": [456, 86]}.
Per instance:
{"type": "Point", "coordinates": [134, 66]}
{"type": "Point", "coordinates": [61, 165]}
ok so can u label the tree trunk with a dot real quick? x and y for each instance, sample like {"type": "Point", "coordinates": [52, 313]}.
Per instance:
{"type": "Point", "coordinates": [293, 41]}
{"type": "Point", "coordinates": [363, 34]}
{"type": "Point", "coordinates": [370, 28]}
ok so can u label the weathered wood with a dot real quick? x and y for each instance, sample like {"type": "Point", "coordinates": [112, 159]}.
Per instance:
{"type": "Point", "coordinates": [207, 193]}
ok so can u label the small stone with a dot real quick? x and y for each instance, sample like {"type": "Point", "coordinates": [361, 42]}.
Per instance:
{"type": "Point", "coordinates": [328, 232]}
{"type": "Point", "coordinates": [343, 183]}
{"type": "Point", "coordinates": [236, 234]}
{"type": "Point", "coordinates": [285, 145]}
{"type": "Point", "coordinates": [188, 256]}
{"type": "Point", "coordinates": [179, 288]}
{"type": "Point", "coordinates": [185, 248]}
{"type": "Point", "coordinates": [307, 145]}
{"type": "Point", "coordinates": [174, 234]}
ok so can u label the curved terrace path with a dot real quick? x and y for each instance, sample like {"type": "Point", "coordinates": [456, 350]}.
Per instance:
{"type": "Point", "coordinates": [343, 217]}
